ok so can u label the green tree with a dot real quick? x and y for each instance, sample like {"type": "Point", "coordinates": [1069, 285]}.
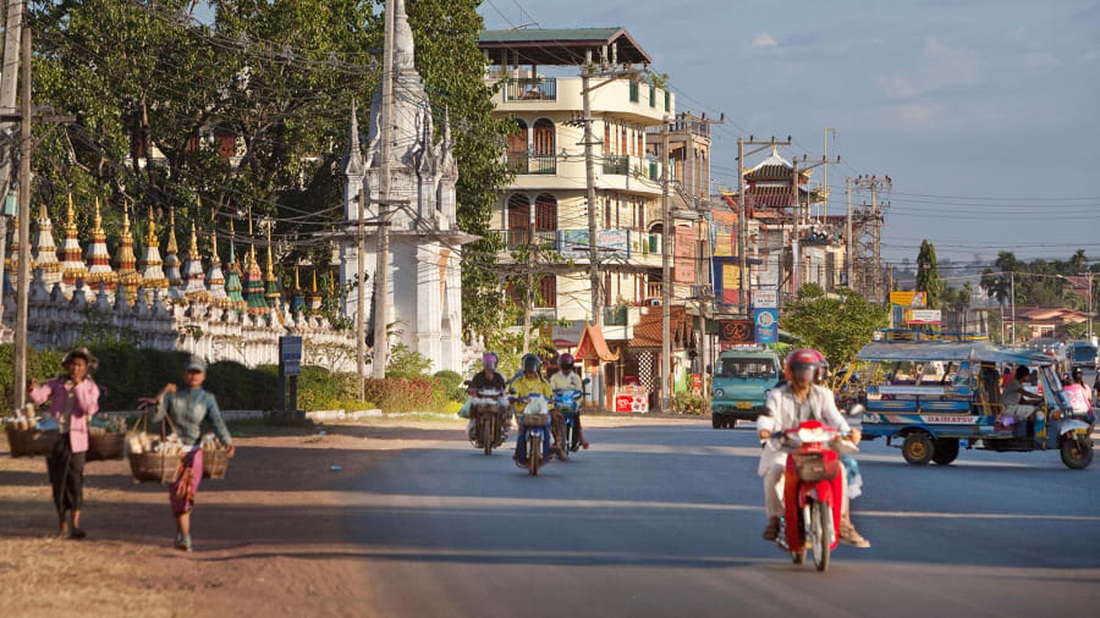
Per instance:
{"type": "Point", "coordinates": [928, 276]}
{"type": "Point", "coordinates": [837, 326]}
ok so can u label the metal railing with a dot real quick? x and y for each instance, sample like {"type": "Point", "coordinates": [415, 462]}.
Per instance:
{"type": "Point", "coordinates": [520, 238]}
{"type": "Point", "coordinates": [616, 165]}
{"type": "Point", "coordinates": [653, 290]}
{"type": "Point", "coordinates": [531, 89]}
{"type": "Point", "coordinates": [523, 163]}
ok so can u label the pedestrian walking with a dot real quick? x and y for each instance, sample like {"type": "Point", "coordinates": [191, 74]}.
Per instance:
{"type": "Point", "coordinates": [74, 398]}
{"type": "Point", "coordinates": [190, 409]}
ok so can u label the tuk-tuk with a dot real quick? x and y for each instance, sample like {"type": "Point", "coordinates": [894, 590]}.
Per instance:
{"type": "Point", "coordinates": [935, 397]}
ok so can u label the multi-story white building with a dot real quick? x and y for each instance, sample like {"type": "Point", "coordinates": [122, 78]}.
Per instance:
{"type": "Point", "coordinates": [546, 206]}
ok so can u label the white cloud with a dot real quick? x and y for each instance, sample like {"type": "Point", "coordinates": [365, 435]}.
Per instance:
{"type": "Point", "coordinates": [938, 67]}
{"type": "Point", "coordinates": [764, 41]}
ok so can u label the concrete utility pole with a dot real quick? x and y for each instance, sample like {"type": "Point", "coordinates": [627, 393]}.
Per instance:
{"type": "Point", "coordinates": [742, 215]}
{"type": "Point", "coordinates": [381, 273]}
{"type": "Point", "coordinates": [22, 291]}
{"type": "Point", "coordinates": [796, 242]}
{"type": "Point", "coordinates": [849, 255]}
{"type": "Point", "coordinates": [666, 274]}
{"type": "Point", "coordinates": [8, 84]}
{"type": "Point", "coordinates": [361, 300]}
{"type": "Point", "coordinates": [590, 183]}
{"type": "Point", "coordinates": [530, 278]}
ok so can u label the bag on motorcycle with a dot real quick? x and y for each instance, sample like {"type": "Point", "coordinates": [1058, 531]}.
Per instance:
{"type": "Point", "coordinates": [813, 467]}
{"type": "Point", "coordinates": [464, 411]}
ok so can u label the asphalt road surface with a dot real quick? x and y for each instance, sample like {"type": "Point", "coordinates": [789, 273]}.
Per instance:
{"type": "Point", "coordinates": [665, 520]}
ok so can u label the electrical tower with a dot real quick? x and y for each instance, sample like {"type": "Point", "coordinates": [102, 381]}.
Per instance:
{"type": "Point", "coordinates": [864, 236]}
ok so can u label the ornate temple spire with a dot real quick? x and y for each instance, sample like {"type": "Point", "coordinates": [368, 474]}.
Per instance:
{"type": "Point", "coordinates": [353, 160]}
{"type": "Point", "coordinates": [298, 296]}
{"type": "Point", "coordinates": [314, 295]}
{"type": "Point", "coordinates": [98, 257]}
{"type": "Point", "coordinates": [152, 274]}
{"type": "Point", "coordinates": [271, 284]}
{"type": "Point", "coordinates": [127, 261]}
{"type": "Point", "coordinates": [215, 280]}
{"type": "Point", "coordinates": [233, 287]}
{"type": "Point", "coordinates": [171, 253]}
{"type": "Point", "coordinates": [72, 260]}
{"type": "Point", "coordinates": [45, 251]}
{"type": "Point", "coordinates": [254, 285]}
{"type": "Point", "coordinates": [195, 288]}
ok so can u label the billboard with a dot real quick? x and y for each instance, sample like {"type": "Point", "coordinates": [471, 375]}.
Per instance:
{"type": "Point", "coordinates": [724, 234]}
{"type": "Point", "coordinates": [612, 244]}
{"type": "Point", "coordinates": [767, 325]}
{"type": "Point", "coordinates": [734, 332]}
{"type": "Point", "coordinates": [684, 271]}
{"type": "Point", "coordinates": [923, 316]}
{"type": "Point", "coordinates": [907, 299]}
{"type": "Point", "coordinates": [765, 298]}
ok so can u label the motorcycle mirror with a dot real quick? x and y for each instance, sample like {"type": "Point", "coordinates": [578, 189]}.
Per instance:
{"type": "Point", "coordinates": [586, 381]}
{"type": "Point", "coordinates": [465, 383]}
{"type": "Point", "coordinates": [857, 410]}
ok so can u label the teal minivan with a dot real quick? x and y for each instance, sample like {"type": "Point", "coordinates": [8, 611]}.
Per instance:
{"type": "Point", "coordinates": [741, 381]}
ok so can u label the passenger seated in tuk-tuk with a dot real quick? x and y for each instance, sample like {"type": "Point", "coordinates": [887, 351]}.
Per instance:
{"type": "Point", "coordinates": [1015, 394]}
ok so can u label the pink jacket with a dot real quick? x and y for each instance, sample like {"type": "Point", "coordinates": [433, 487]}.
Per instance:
{"type": "Point", "coordinates": [86, 404]}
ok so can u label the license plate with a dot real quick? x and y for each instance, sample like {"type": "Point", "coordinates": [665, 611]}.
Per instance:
{"type": "Point", "coordinates": [744, 405]}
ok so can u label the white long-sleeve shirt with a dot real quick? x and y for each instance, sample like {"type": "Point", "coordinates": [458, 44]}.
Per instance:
{"type": "Point", "coordinates": [783, 411]}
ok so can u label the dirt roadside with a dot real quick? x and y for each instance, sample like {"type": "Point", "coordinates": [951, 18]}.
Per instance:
{"type": "Point", "coordinates": [268, 538]}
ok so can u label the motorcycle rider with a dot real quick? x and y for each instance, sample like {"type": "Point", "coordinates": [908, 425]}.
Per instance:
{"type": "Point", "coordinates": [530, 382]}
{"type": "Point", "coordinates": [789, 405]}
{"type": "Point", "coordinates": [568, 379]}
{"type": "Point", "coordinates": [490, 378]}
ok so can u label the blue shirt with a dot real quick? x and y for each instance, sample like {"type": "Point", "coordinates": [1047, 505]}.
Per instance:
{"type": "Point", "coordinates": [189, 409]}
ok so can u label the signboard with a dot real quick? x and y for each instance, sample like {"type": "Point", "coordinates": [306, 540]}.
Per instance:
{"type": "Point", "coordinates": [731, 283]}
{"type": "Point", "coordinates": [767, 298]}
{"type": "Point", "coordinates": [734, 332]}
{"type": "Point", "coordinates": [767, 325]}
{"type": "Point", "coordinates": [684, 250]}
{"type": "Point", "coordinates": [611, 244]}
{"type": "Point", "coordinates": [724, 233]}
{"type": "Point", "coordinates": [923, 316]}
{"type": "Point", "coordinates": [290, 355]}
{"type": "Point", "coordinates": [908, 299]}
{"type": "Point", "coordinates": [567, 336]}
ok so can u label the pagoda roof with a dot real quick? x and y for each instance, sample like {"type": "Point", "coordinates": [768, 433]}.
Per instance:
{"type": "Point", "coordinates": [559, 46]}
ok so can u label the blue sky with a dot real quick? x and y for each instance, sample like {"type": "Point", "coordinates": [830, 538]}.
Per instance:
{"type": "Point", "coordinates": [991, 104]}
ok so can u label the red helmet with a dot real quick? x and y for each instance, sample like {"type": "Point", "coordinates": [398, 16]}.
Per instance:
{"type": "Point", "coordinates": [566, 360]}
{"type": "Point", "coordinates": [804, 358]}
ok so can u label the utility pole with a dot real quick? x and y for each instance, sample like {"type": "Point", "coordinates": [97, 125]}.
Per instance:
{"type": "Point", "coordinates": [530, 278]}
{"type": "Point", "coordinates": [381, 275]}
{"type": "Point", "coordinates": [870, 236]}
{"type": "Point", "coordinates": [666, 274]}
{"type": "Point", "coordinates": [742, 214]}
{"type": "Point", "coordinates": [22, 291]}
{"type": "Point", "coordinates": [590, 183]}
{"type": "Point", "coordinates": [1012, 293]}
{"type": "Point", "coordinates": [361, 300]}
{"type": "Point", "coordinates": [796, 242]}
{"type": "Point", "coordinates": [8, 83]}
{"type": "Point", "coordinates": [849, 255]}
{"type": "Point", "coordinates": [876, 255]}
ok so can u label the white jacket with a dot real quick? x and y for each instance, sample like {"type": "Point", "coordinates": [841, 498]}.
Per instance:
{"type": "Point", "coordinates": [784, 412]}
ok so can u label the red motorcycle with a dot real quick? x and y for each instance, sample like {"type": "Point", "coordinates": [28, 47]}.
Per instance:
{"type": "Point", "coordinates": [812, 493]}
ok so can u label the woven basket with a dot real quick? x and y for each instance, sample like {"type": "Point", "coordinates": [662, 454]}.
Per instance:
{"type": "Point", "coordinates": [106, 445]}
{"type": "Point", "coordinates": [813, 467]}
{"type": "Point", "coordinates": [154, 467]}
{"type": "Point", "coordinates": [215, 461]}
{"type": "Point", "coordinates": [30, 442]}
{"type": "Point", "coordinates": [535, 419]}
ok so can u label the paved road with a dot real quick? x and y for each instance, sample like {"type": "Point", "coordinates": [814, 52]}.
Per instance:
{"type": "Point", "coordinates": [666, 521]}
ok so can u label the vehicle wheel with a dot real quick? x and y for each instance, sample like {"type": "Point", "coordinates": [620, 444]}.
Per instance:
{"type": "Point", "coordinates": [534, 454]}
{"type": "Point", "coordinates": [715, 421]}
{"type": "Point", "coordinates": [945, 451]}
{"type": "Point", "coordinates": [1074, 456]}
{"type": "Point", "coordinates": [821, 521]}
{"type": "Point", "coordinates": [917, 449]}
{"type": "Point", "coordinates": [731, 423]}
{"type": "Point", "coordinates": [487, 436]}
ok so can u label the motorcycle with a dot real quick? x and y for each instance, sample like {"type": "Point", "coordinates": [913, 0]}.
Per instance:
{"type": "Point", "coordinates": [535, 421]}
{"type": "Point", "coordinates": [485, 410]}
{"type": "Point", "coordinates": [566, 402]}
{"type": "Point", "coordinates": [812, 492]}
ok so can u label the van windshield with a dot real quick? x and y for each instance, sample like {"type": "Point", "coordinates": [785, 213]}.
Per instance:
{"type": "Point", "coordinates": [747, 368]}
{"type": "Point", "coordinates": [1084, 353]}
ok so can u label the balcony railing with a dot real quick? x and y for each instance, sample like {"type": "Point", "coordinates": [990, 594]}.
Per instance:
{"type": "Point", "coordinates": [531, 89]}
{"type": "Point", "coordinates": [616, 316]}
{"type": "Point", "coordinates": [521, 238]}
{"type": "Point", "coordinates": [616, 165]}
{"type": "Point", "coordinates": [653, 290]}
{"type": "Point", "coordinates": [523, 163]}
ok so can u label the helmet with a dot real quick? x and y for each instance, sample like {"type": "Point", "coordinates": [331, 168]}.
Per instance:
{"type": "Point", "coordinates": [489, 360]}
{"type": "Point", "coordinates": [531, 363]}
{"type": "Point", "coordinates": [805, 358]}
{"type": "Point", "coordinates": [565, 361]}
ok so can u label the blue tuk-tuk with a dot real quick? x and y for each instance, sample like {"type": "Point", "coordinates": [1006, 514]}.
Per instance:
{"type": "Point", "coordinates": [934, 397]}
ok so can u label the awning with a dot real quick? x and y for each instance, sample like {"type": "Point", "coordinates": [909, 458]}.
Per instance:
{"type": "Point", "coordinates": [593, 347]}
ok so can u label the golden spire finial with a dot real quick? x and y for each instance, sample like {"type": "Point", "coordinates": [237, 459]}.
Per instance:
{"type": "Point", "coordinates": [42, 214]}
{"type": "Point", "coordinates": [125, 219]}
{"type": "Point", "coordinates": [193, 251]}
{"type": "Point", "coordinates": [70, 216]}
{"type": "Point", "coordinates": [172, 246]}
{"type": "Point", "coordinates": [151, 231]}
{"type": "Point", "coordinates": [314, 280]}
{"type": "Point", "coordinates": [270, 274]}
{"type": "Point", "coordinates": [97, 228]}
{"type": "Point", "coordinates": [297, 285]}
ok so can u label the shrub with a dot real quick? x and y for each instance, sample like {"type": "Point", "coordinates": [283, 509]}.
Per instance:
{"type": "Point", "coordinates": [687, 403]}
{"type": "Point", "coordinates": [40, 364]}
{"type": "Point", "coordinates": [405, 394]}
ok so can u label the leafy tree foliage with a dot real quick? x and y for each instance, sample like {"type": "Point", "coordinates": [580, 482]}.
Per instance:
{"type": "Point", "coordinates": [928, 277]}
{"type": "Point", "coordinates": [836, 326]}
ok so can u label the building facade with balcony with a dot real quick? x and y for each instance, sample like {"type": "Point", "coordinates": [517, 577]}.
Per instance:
{"type": "Point", "coordinates": [546, 206]}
